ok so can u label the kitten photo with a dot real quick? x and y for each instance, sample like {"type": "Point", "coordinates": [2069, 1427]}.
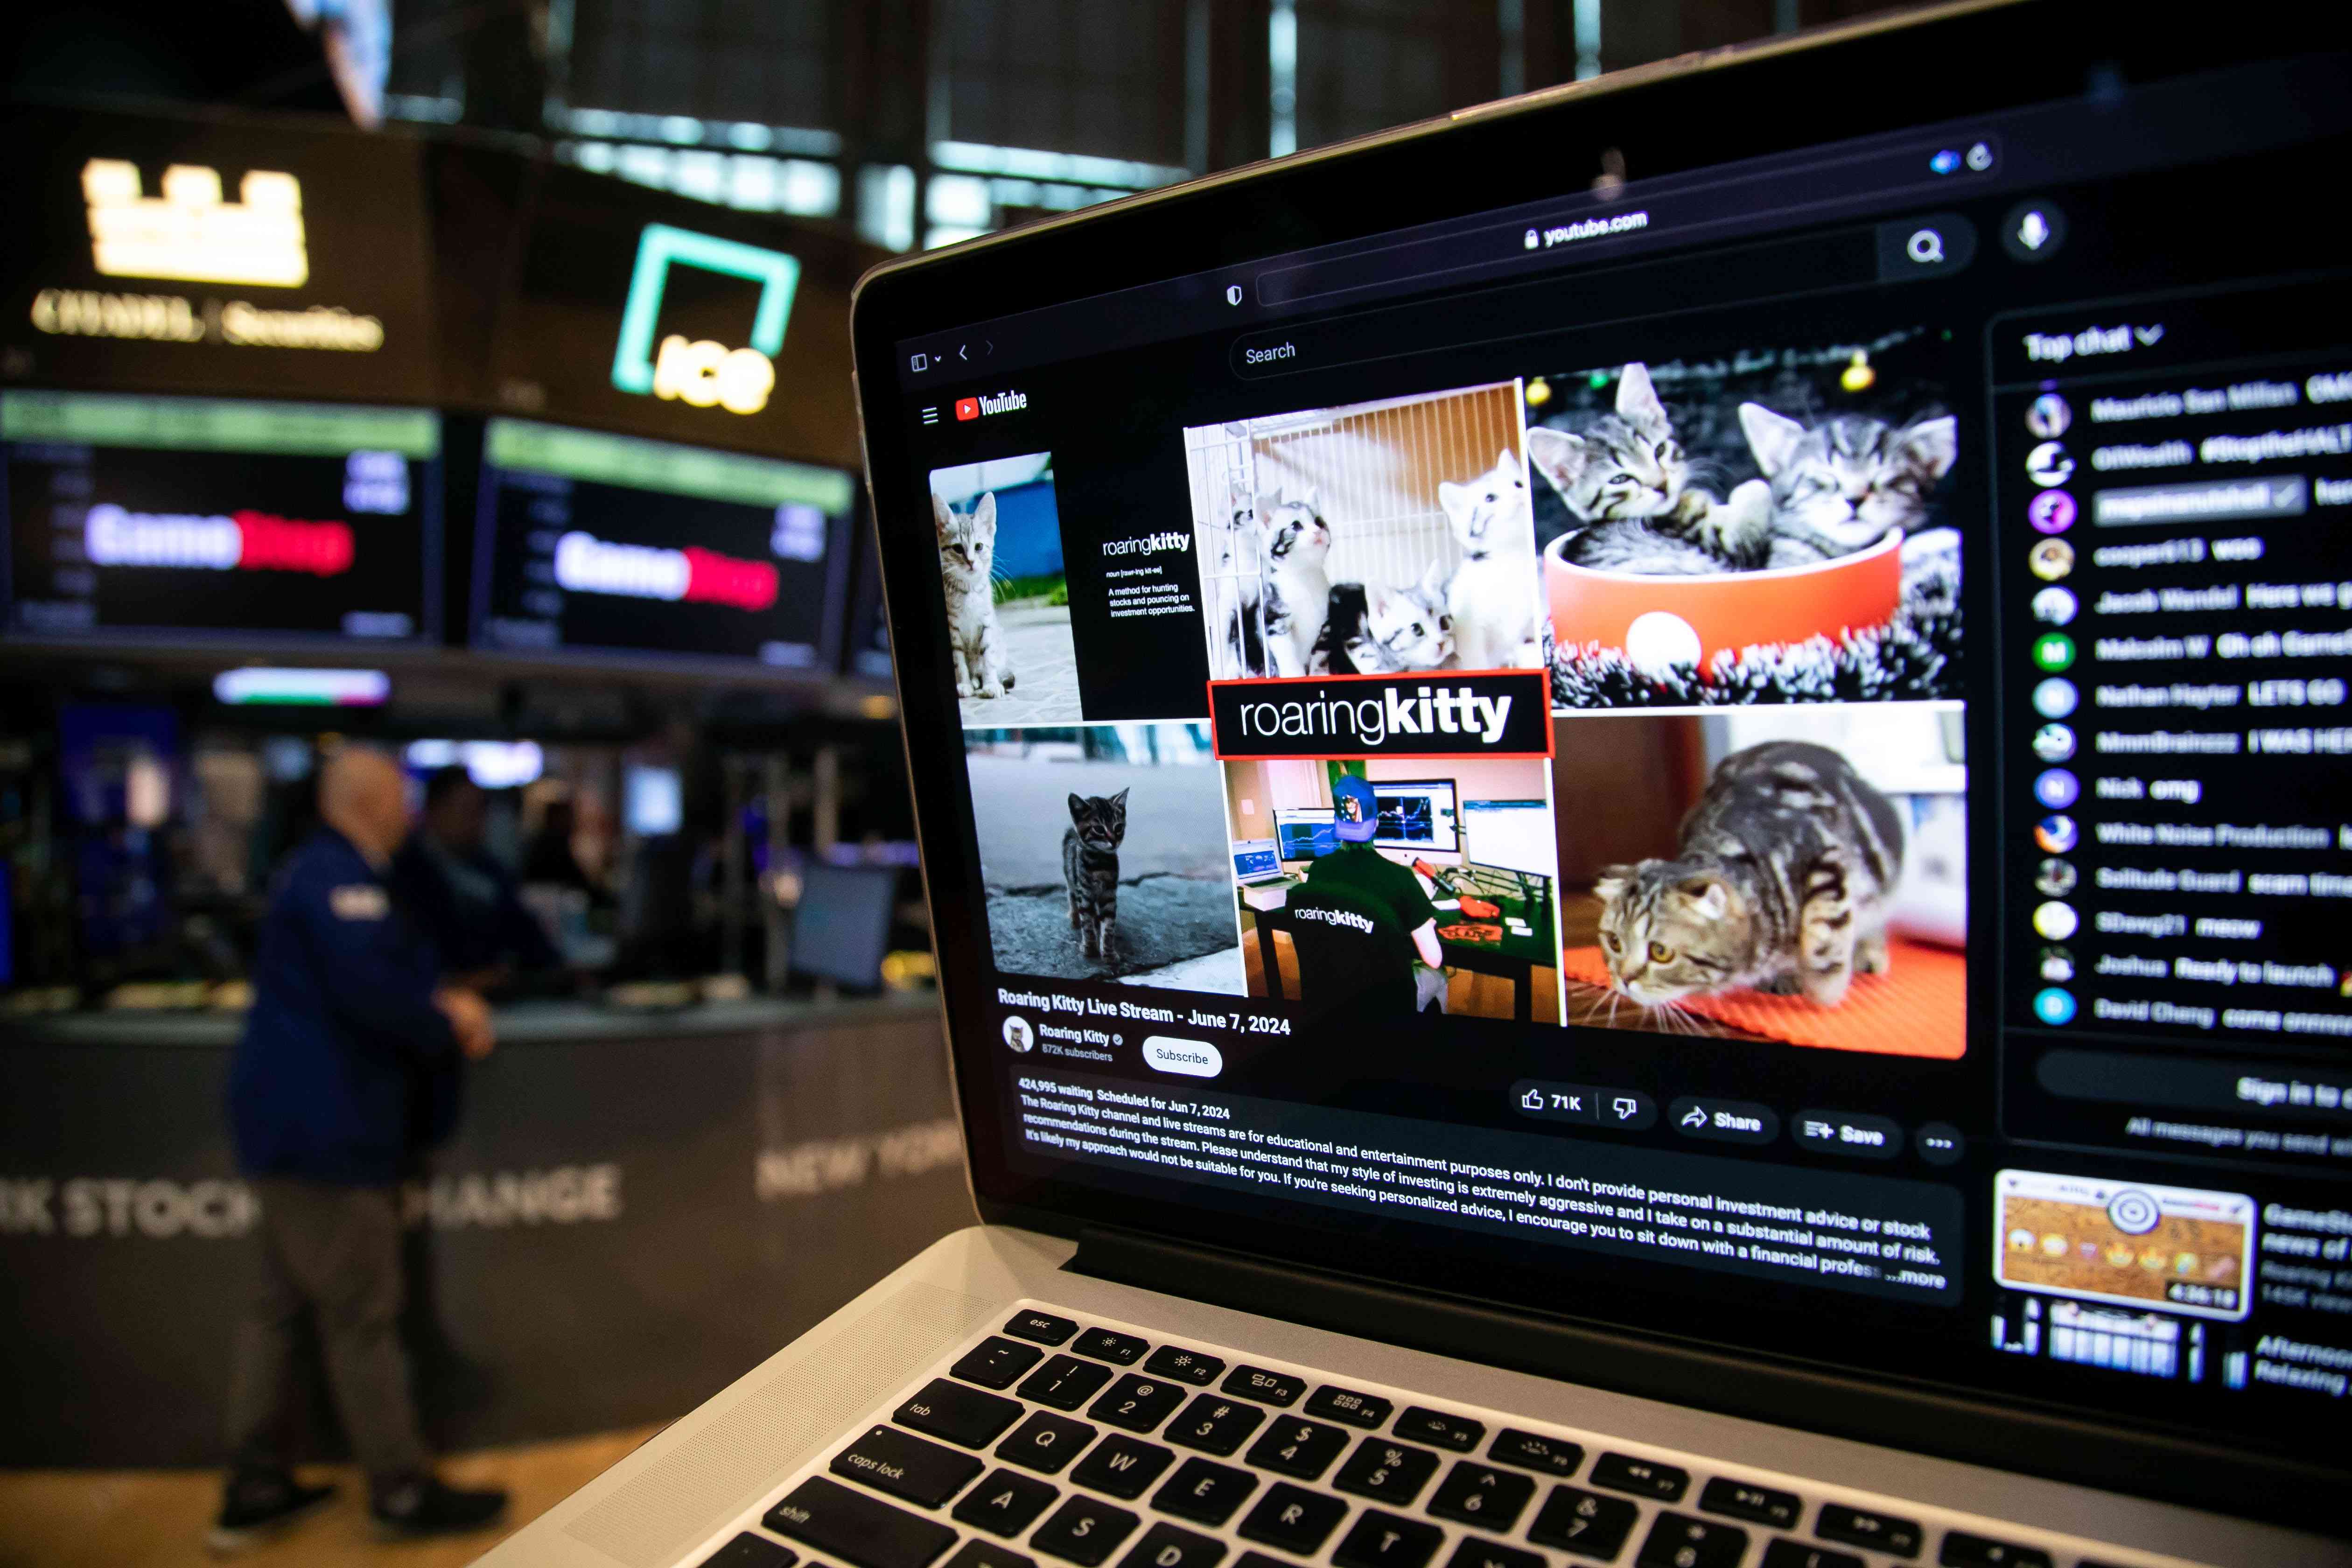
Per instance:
{"type": "Point", "coordinates": [1781, 883]}
{"type": "Point", "coordinates": [1385, 631]}
{"type": "Point", "coordinates": [967, 575]}
{"type": "Point", "coordinates": [1296, 543]}
{"type": "Point", "coordinates": [1493, 601]}
{"type": "Point", "coordinates": [1235, 617]}
{"type": "Point", "coordinates": [1090, 870]}
{"type": "Point", "coordinates": [1844, 484]}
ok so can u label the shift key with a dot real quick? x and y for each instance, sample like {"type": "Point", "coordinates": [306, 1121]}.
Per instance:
{"type": "Point", "coordinates": [860, 1529]}
{"type": "Point", "coordinates": [961, 1414]}
{"type": "Point", "coordinates": [890, 1461]}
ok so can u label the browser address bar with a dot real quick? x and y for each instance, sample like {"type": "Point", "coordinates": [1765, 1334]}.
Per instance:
{"type": "Point", "coordinates": [1714, 209]}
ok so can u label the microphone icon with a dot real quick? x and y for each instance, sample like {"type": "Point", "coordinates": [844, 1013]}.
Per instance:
{"type": "Point", "coordinates": [2034, 232]}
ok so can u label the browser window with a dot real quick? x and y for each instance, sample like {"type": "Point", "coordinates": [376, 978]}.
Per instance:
{"type": "Point", "coordinates": [1760, 754]}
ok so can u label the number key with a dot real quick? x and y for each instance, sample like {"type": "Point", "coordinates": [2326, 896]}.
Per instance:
{"type": "Point", "coordinates": [1138, 1404]}
{"type": "Point", "coordinates": [1678, 1540]}
{"type": "Point", "coordinates": [1484, 1496]}
{"type": "Point", "coordinates": [1301, 1448]}
{"type": "Point", "coordinates": [1214, 1425]}
{"type": "Point", "coordinates": [1392, 1472]}
{"type": "Point", "coordinates": [1584, 1523]}
{"type": "Point", "coordinates": [1065, 1381]}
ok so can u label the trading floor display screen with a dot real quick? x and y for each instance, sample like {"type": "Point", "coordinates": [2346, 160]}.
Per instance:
{"type": "Point", "coordinates": [596, 544]}
{"type": "Point", "coordinates": [131, 518]}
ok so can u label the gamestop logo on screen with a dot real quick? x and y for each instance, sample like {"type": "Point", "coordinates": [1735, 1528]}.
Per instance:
{"type": "Point", "coordinates": [242, 541]}
{"type": "Point", "coordinates": [587, 565]}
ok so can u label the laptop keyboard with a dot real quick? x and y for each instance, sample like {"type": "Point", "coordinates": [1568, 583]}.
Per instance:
{"type": "Point", "coordinates": [1059, 1444]}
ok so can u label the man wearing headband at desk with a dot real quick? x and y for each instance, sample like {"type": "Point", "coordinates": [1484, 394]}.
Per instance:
{"type": "Point", "coordinates": [1359, 867]}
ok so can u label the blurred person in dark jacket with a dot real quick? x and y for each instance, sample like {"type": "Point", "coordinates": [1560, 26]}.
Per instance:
{"type": "Point", "coordinates": [466, 899]}
{"type": "Point", "coordinates": [350, 1055]}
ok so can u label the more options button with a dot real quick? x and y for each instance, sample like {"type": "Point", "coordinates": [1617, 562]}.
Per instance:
{"type": "Point", "coordinates": [1849, 1133]}
{"type": "Point", "coordinates": [1191, 1059]}
{"type": "Point", "coordinates": [1727, 1121]}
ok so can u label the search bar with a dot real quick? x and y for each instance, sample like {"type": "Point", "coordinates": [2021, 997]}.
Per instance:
{"type": "Point", "coordinates": [1716, 208]}
{"type": "Point", "coordinates": [1937, 246]}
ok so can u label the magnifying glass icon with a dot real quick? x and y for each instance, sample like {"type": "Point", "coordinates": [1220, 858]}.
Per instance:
{"type": "Point", "coordinates": [1925, 246]}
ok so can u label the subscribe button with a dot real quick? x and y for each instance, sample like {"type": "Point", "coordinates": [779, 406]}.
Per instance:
{"type": "Point", "coordinates": [1191, 1058]}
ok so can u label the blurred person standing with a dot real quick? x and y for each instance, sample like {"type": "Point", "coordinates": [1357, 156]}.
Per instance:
{"type": "Point", "coordinates": [466, 901]}
{"type": "Point", "coordinates": [350, 1054]}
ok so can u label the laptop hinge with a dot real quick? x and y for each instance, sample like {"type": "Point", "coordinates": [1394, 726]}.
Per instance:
{"type": "Point", "coordinates": [2041, 1443]}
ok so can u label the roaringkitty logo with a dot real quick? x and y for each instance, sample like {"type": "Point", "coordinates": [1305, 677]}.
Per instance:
{"type": "Point", "coordinates": [1485, 714]}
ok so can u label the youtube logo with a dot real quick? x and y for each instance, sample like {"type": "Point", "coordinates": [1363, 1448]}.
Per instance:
{"type": "Point", "coordinates": [967, 407]}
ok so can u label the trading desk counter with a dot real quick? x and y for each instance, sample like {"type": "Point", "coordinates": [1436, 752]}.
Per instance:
{"type": "Point", "coordinates": [636, 1208]}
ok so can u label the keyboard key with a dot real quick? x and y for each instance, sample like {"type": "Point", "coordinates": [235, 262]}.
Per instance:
{"type": "Point", "coordinates": [959, 1414]}
{"type": "Point", "coordinates": [1044, 1443]}
{"type": "Point", "coordinates": [1205, 1493]}
{"type": "Point", "coordinates": [1644, 1477]}
{"type": "Point", "coordinates": [996, 1361]}
{"type": "Point", "coordinates": [1387, 1540]}
{"type": "Point", "coordinates": [1122, 1467]}
{"type": "Point", "coordinates": [1871, 1531]}
{"type": "Point", "coordinates": [1194, 1367]}
{"type": "Point", "coordinates": [1482, 1495]}
{"type": "Point", "coordinates": [988, 1554]}
{"type": "Point", "coordinates": [1390, 1472]}
{"type": "Point", "coordinates": [1214, 1425]}
{"type": "Point", "coordinates": [1475, 1554]}
{"type": "Point", "coordinates": [856, 1528]}
{"type": "Point", "coordinates": [1004, 1504]}
{"type": "Point", "coordinates": [1679, 1541]}
{"type": "Point", "coordinates": [1165, 1546]}
{"type": "Point", "coordinates": [1961, 1551]}
{"type": "Point", "coordinates": [749, 1551]}
{"type": "Point", "coordinates": [1043, 1327]}
{"type": "Point", "coordinates": [1138, 1404]}
{"type": "Point", "coordinates": [1534, 1451]}
{"type": "Point", "coordinates": [1260, 1560]}
{"type": "Point", "coordinates": [1758, 1505]}
{"type": "Point", "coordinates": [1784, 1552]}
{"type": "Point", "coordinates": [1420, 1423]}
{"type": "Point", "coordinates": [1104, 1345]}
{"type": "Point", "coordinates": [1584, 1523]}
{"type": "Point", "coordinates": [1257, 1382]}
{"type": "Point", "coordinates": [890, 1461]}
{"type": "Point", "coordinates": [1065, 1381]}
{"type": "Point", "coordinates": [1300, 1449]}
{"type": "Point", "coordinates": [1334, 1404]}
{"type": "Point", "coordinates": [1084, 1532]}
{"type": "Point", "coordinates": [1293, 1519]}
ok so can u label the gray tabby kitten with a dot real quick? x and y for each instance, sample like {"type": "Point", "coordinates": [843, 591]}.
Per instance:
{"type": "Point", "coordinates": [968, 576]}
{"type": "Point", "coordinates": [1090, 866]}
{"type": "Point", "coordinates": [1294, 543]}
{"type": "Point", "coordinates": [1243, 641]}
{"type": "Point", "coordinates": [1848, 482]}
{"type": "Point", "coordinates": [1385, 631]}
{"type": "Point", "coordinates": [1781, 884]}
{"type": "Point", "coordinates": [1628, 480]}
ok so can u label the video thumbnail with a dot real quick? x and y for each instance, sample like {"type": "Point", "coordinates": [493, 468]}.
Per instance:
{"type": "Point", "coordinates": [2125, 1242]}
{"type": "Point", "coordinates": [1008, 598]}
{"type": "Point", "coordinates": [1766, 526]}
{"type": "Point", "coordinates": [1102, 851]}
{"type": "Point", "coordinates": [1378, 538]}
{"type": "Point", "coordinates": [1795, 875]}
{"type": "Point", "coordinates": [1396, 885]}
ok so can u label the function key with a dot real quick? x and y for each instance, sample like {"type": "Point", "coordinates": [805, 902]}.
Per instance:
{"type": "Point", "coordinates": [1678, 1540]}
{"type": "Point", "coordinates": [1104, 1345]}
{"type": "Point", "coordinates": [1257, 1382]}
{"type": "Point", "coordinates": [1961, 1550]}
{"type": "Point", "coordinates": [1004, 1504]}
{"type": "Point", "coordinates": [1874, 1531]}
{"type": "Point", "coordinates": [1758, 1505]}
{"type": "Point", "coordinates": [1784, 1552]}
{"type": "Point", "coordinates": [959, 1414]}
{"type": "Point", "coordinates": [856, 1528]}
{"type": "Point", "coordinates": [1534, 1451]}
{"type": "Point", "coordinates": [1213, 1424]}
{"type": "Point", "coordinates": [1335, 1403]}
{"type": "Point", "coordinates": [1643, 1478]}
{"type": "Point", "coordinates": [1194, 1367]}
{"type": "Point", "coordinates": [1387, 1540]}
{"type": "Point", "coordinates": [1065, 1381]}
{"type": "Point", "coordinates": [1483, 1496]}
{"type": "Point", "coordinates": [1138, 1404]}
{"type": "Point", "coordinates": [890, 1461]}
{"type": "Point", "coordinates": [1584, 1523]}
{"type": "Point", "coordinates": [749, 1551]}
{"type": "Point", "coordinates": [1423, 1424]}
{"type": "Point", "coordinates": [1044, 1327]}
{"type": "Point", "coordinates": [996, 1361]}
{"type": "Point", "coordinates": [1388, 1471]}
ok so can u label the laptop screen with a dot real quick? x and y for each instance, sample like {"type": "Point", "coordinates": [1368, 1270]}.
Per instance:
{"type": "Point", "coordinates": [1842, 652]}
{"type": "Point", "coordinates": [1256, 860]}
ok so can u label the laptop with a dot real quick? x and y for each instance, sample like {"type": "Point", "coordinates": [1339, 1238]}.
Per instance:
{"type": "Point", "coordinates": [1878, 491]}
{"type": "Point", "coordinates": [1256, 860]}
